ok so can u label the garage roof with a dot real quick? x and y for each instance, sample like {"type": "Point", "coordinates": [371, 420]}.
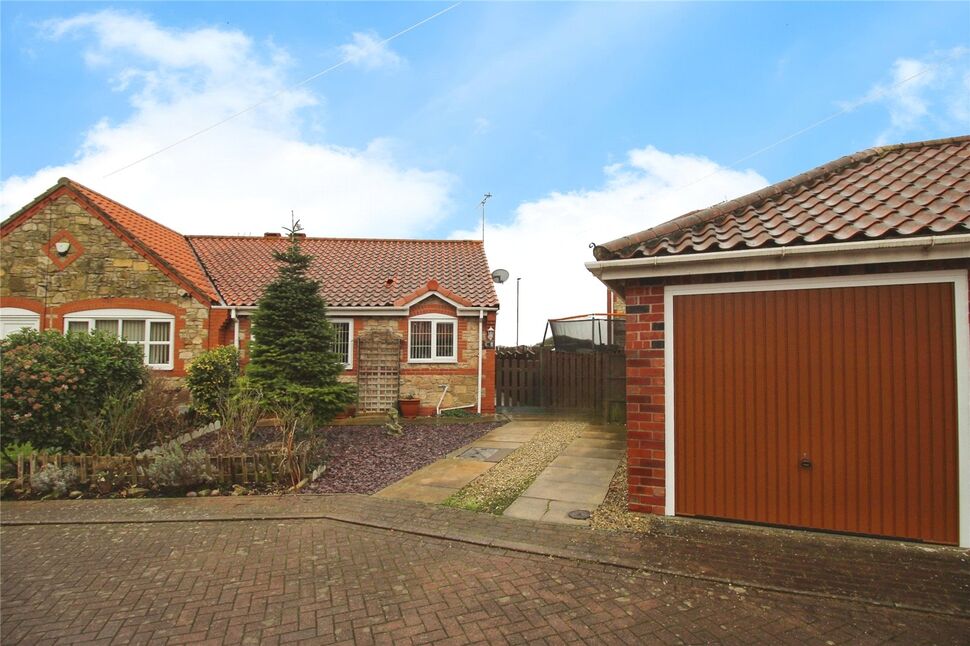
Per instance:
{"type": "Point", "coordinates": [920, 188]}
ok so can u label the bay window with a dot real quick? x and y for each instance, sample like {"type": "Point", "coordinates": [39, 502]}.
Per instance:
{"type": "Point", "coordinates": [152, 332]}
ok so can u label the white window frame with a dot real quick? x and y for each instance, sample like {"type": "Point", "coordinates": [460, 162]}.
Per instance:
{"type": "Point", "coordinates": [435, 319]}
{"type": "Point", "coordinates": [350, 340]}
{"type": "Point", "coordinates": [958, 278]}
{"type": "Point", "coordinates": [149, 317]}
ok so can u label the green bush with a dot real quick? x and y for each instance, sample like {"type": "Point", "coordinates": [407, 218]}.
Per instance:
{"type": "Point", "coordinates": [53, 479]}
{"type": "Point", "coordinates": [211, 379]}
{"type": "Point", "coordinates": [12, 451]}
{"type": "Point", "coordinates": [53, 383]}
{"type": "Point", "coordinates": [173, 468]}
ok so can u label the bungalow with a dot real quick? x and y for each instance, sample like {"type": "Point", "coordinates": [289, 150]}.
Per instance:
{"type": "Point", "coordinates": [414, 317]}
{"type": "Point", "coordinates": [799, 356]}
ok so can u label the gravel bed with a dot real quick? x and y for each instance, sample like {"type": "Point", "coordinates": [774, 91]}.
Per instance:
{"type": "Point", "coordinates": [613, 514]}
{"type": "Point", "coordinates": [365, 459]}
{"type": "Point", "coordinates": [497, 488]}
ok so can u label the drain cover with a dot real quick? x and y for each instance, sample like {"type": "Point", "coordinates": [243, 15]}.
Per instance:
{"type": "Point", "coordinates": [579, 514]}
{"type": "Point", "coordinates": [477, 453]}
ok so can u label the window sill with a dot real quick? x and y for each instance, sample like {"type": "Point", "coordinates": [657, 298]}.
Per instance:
{"type": "Point", "coordinates": [427, 361]}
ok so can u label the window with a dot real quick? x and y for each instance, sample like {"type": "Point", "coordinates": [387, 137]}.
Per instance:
{"type": "Point", "coordinates": [151, 331]}
{"type": "Point", "coordinates": [343, 343]}
{"type": "Point", "coordinates": [432, 339]}
{"type": "Point", "coordinates": [14, 319]}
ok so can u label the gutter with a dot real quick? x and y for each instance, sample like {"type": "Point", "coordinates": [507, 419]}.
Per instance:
{"type": "Point", "coordinates": [840, 253]}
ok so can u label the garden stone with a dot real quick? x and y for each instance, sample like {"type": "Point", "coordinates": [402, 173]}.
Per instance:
{"type": "Point", "coordinates": [136, 492]}
{"type": "Point", "coordinates": [239, 490]}
{"type": "Point", "coordinates": [215, 492]}
{"type": "Point", "coordinates": [191, 494]}
{"type": "Point", "coordinates": [204, 492]}
{"type": "Point", "coordinates": [74, 495]}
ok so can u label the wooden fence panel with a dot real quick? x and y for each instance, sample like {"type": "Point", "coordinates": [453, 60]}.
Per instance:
{"type": "Point", "coordinates": [581, 381]}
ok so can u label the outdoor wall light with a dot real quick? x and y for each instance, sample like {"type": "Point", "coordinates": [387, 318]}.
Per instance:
{"type": "Point", "coordinates": [62, 247]}
{"type": "Point", "coordinates": [490, 338]}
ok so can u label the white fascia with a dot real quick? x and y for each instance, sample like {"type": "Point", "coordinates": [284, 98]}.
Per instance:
{"type": "Point", "coordinates": [820, 255]}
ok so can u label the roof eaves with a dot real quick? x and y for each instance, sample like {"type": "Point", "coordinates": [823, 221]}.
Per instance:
{"type": "Point", "coordinates": [627, 246]}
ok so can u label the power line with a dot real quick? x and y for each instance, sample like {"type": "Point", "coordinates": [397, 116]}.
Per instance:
{"type": "Point", "coordinates": [848, 108]}
{"type": "Point", "coordinates": [278, 93]}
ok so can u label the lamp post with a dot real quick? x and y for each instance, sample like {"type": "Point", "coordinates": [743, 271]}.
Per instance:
{"type": "Point", "coordinates": [517, 310]}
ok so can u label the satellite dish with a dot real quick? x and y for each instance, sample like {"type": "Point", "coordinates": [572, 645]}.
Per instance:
{"type": "Point", "coordinates": [500, 276]}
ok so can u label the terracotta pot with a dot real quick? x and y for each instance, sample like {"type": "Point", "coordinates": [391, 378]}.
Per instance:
{"type": "Point", "coordinates": [409, 407]}
{"type": "Point", "coordinates": [350, 411]}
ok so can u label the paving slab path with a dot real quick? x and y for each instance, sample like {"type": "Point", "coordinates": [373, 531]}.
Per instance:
{"type": "Point", "coordinates": [353, 569]}
{"type": "Point", "coordinates": [576, 481]}
{"type": "Point", "coordinates": [439, 480]}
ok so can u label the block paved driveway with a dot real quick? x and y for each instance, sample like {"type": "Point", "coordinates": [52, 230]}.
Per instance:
{"type": "Point", "coordinates": [191, 577]}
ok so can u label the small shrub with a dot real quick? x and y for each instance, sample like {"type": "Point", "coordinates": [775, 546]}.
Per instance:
{"type": "Point", "coordinates": [173, 468]}
{"type": "Point", "coordinates": [239, 414]}
{"type": "Point", "coordinates": [294, 423]}
{"type": "Point", "coordinates": [108, 480]}
{"type": "Point", "coordinates": [53, 479]}
{"type": "Point", "coordinates": [11, 452]}
{"type": "Point", "coordinates": [53, 382]}
{"type": "Point", "coordinates": [211, 379]}
{"type": "Point", "coordinates": [131, 420]}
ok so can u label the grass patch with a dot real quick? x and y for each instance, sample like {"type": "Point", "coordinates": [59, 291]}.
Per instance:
{"type": "Point", "coordinates": [497, 488]}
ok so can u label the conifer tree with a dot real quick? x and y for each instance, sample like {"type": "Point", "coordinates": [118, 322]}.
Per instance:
{"type": "Point", "coordinates": [291, 356]}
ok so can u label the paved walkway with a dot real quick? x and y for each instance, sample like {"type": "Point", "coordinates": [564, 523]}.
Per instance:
{"type": "Point", "coordinates": [880, 572]}
{"type": "Point", "coordinates": [577, 480]}
{"type": "Point", "coordinates": [245, 570]}
{"type": "Point", "coordinates": [437, 481]}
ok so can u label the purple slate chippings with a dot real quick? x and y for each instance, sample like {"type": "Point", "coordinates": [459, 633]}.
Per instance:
{"type": "Point", "coordinates": [365, 459]}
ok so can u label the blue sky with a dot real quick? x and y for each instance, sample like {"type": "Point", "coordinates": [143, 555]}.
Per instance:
{"type": "Point", "coordinates": [585, 121]}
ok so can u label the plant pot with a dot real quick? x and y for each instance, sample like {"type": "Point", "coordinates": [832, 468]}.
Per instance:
{"type": "Point", "coordinates": [348, 412]}
{"type": "Point", "coordinates": [409, 407]}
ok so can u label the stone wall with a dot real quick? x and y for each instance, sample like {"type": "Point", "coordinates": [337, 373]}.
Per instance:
{"type": "Point", "coordinates": [107, 273]}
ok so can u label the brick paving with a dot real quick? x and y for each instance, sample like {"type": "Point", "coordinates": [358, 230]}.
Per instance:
{"type": "Point", "coordinates": [270, 570]}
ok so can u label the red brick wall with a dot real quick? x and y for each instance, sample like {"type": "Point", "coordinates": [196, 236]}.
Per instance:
{"type": "Point", "coordinates": [645, 353]}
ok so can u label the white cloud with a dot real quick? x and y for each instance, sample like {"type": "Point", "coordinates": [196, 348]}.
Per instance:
{"type": "Point", "coordinates": [931, 92]}
{"type": "Point", "coordinates": [547, 242]}
{"type": "Point", "coordinates": [241, 177]}
{"type": "Point", "coordinates": [481, 126]}
{"type": "Point", "coordinates": [367, 50]}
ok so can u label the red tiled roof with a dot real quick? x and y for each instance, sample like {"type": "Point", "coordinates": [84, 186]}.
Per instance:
{"type": "Point", "coordinates": [920, 188]}
{"type": "Point", "coordinates": [351, 272]}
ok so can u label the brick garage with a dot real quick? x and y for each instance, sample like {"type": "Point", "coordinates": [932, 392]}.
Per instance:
{"type": "Point", "coordinates": [850, 415]}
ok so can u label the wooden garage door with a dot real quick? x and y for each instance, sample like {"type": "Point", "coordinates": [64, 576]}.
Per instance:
{"type": "Point", "coordinates": [824, 408]}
